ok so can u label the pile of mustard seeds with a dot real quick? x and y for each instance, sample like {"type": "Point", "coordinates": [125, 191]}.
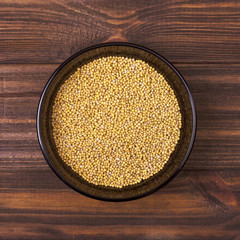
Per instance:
{"type": "Point", "coordinates": [116, 121]}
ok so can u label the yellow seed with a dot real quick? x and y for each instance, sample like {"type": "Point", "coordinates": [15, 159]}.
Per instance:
{"type": "Point", "coordinates": [116, 121]}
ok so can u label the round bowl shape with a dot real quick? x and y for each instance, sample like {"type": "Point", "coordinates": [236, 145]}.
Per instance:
{"type": "Point", "coordinates": [177, 158]}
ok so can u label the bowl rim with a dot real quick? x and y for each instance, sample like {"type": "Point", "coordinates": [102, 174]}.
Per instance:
{"type": "Point", "coordinates": [194, 115]}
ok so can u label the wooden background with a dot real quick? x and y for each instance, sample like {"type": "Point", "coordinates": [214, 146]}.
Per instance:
{"type": "Point", "coordinates": [201, 38]}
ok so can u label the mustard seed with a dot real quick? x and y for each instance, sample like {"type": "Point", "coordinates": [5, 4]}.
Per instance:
{"type": "Point", "coordinates": [116, 121]}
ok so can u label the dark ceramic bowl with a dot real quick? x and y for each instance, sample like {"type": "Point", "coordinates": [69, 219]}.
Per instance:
{"type": "Point", "coordinates": [177, 158]}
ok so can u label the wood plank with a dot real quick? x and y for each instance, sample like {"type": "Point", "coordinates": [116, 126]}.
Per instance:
{"type": "Point", "coordinates": [182, 31]}
{"type": "Point", "coordinates": [224, 184]}
{"type": "Point", "coordinates": [28, 79]}
{"type": "Point", "coordinates": [214, 88]}
{"type": "Point", "coordinates": [35, 207]}
{"type": "Point", "coordinates": [116, 231]}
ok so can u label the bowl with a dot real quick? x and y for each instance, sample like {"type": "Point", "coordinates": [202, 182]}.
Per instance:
{"type": "Point", "coordinates": [177, 158]}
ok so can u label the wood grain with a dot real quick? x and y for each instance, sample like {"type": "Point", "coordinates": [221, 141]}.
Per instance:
{"type": "Point", "coordinates": [201, 38]}
{"type": "Point", "coordinates": [43, 208]}
{"type": "Point", "coordinates": [183, 31]}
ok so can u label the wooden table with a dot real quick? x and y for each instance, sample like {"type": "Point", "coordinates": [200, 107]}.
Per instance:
{"type": "Point", "coordinates": [201, 38]}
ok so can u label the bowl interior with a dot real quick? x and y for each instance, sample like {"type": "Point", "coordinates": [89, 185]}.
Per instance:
{"type": "Point", "coordinates": [177, 158]}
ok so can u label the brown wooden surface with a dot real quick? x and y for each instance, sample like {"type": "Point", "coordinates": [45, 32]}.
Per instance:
{"type": "Point", "coordinates": [201, 38]}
